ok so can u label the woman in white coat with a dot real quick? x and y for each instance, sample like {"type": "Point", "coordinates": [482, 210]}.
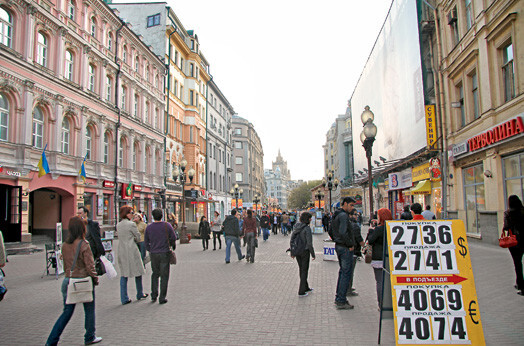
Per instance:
{"type": "Point", "coordinates": [128, 256]}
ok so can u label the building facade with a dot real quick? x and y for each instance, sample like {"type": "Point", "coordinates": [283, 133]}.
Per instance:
{"type": "Point", "coordinates": [248, 156]}
{"type": "Point", "coordinates": [278, 181]}
{"type": "Point", "coordinates": [69, 87]}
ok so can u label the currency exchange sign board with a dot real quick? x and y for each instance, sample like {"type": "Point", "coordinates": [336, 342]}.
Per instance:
{"type": "Point", "coordinates": [433, 289]}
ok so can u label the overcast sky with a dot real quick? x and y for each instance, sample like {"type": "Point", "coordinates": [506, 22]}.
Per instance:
{"type": "Point", "coordinates": [287, 66]}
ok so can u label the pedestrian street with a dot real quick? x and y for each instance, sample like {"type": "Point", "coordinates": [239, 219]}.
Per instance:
{"type": "Point", "coordinates": [211, 302]}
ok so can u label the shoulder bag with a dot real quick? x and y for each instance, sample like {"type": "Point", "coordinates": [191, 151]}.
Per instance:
{"type": "Point", "coordinates": [509, 240]}
{"type": "Point", "coordinates": [172, 255]}
{"type": "Point", "coordinates": [79, 290]}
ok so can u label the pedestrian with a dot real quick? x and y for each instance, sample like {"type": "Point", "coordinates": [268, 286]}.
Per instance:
{"type": "Point", "coordinates": [375, 238]}
{"type": "Point", "coordinates": [514, 221]}
{"type": "Point", "coordinates": [141, 225]}
{"type": "Point", "coordinates": [264, 224]}
{"type": "Point", "coordinates": [359, 241]}
{"type": "Point", "coordinates": [203, 231]}
{"type": "Point", "coordinates": [344, 237]}
{"type": "Point", "coordinates": [406, 215]}
{"type": "Point", "coordinates": [76, 246]}
{"type": "Point", "coordinates": [3, 260]}
{"type": "Point", "coordinates": [232, 234]}
{"type": "Point", "coordinates": [303, 230]}
{"type": "Point", "coordinates": [171, 219]}
{"type": "Point", "coordinates": [216, 227]}
{"type": "Point", "coordinates": [416, 211]}
{"type": "Point", "coordinates": [325, 221]}
{"type": "Point", "coordinates": [92, 235]}
{"type": "Point", "coordinates": [285, 222]}
{"type": "Point", "coordinates": [159, 238]}
{"type": "Point", "coordinates": [359, 219]}
{"type": "Point", "coordinates": [275, 223]}
{"type": "Point", "coordinates": [249, 228]}
{"type": "Point", "coordinates": [428, 214]}
{"type": "Point", "coordinates": [128, 256]}
{"type": "Point", "coordinates": [292, 220]}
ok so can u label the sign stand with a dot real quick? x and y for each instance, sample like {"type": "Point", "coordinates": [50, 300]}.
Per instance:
{"type": "Point", "coordinates": [58, 250]}
{"type": "Point", "coordinates": [386, 286]}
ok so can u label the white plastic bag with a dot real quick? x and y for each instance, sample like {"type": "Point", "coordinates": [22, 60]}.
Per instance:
{"type": "Point", "coordinates": [110, 269]}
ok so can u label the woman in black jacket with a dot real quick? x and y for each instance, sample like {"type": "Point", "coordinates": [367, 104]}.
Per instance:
{"type": "Point", "coordinates": [514, 221]}
{"type": "Point", "coordinates": [406, 215]}
{"type": "Point", "coordinates": [303, 230]}
{"type": "Point", "coordinates": [204, 230]}
{"type": "Point", "coordinates": [375, 238]}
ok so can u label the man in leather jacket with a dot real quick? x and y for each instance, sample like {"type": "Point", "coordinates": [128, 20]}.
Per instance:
{"type": "Point", "coordinates": [92, 234]}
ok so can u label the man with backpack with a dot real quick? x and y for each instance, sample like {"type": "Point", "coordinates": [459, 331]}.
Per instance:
{"type": "Point", "coordinates": [343, 232]}
{"type": "Point", "coordinates": [264, 224]}
{"type": "Point", "coordinates": [301, 247]}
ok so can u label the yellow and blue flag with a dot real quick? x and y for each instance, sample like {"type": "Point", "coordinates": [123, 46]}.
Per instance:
{"type": "Point", "coordinates": [43, 166]}
{"type": "Point", "coordinates": [82, 171]}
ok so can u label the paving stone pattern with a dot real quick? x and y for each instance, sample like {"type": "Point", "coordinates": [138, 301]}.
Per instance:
{"type": "Point", "coordinates": [213, 303]}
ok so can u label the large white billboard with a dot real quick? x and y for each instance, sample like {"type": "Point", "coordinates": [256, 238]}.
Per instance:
{"type": "Point", "coordinates": [391, 85]}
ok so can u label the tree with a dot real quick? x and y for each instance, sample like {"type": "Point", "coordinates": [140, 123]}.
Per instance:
{"type": "Point", "coordinates": [301, 196]}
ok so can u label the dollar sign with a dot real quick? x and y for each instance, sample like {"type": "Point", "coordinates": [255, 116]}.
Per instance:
{"type": "Point", "coordinates": [463, 250]}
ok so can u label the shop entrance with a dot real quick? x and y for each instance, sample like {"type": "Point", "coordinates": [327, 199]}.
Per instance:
{"type": "Point", "coordinates": [10, 212]}
{"type": "Point", "coordinates": [47, 207]}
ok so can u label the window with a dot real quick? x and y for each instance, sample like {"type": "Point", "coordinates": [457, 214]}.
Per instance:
{"type": "Point", "coordinates": [175, 88]}
{"type": "Point", "coordinates": [110, 41]}
{"type": "Point", "coordinates": [146, 113]}
{"type": "Point", "coordinates": [238, 160]}
{"type": "Point", "coordinates": [460, 90]}
{"type": "Point", "coordinates": [89, 141]}
{"type": "Point", "coordinates": [191, 135]}
{"type": "Point", "coordinates": [121, 152]}
{"type": "Point", "coordinates": [238, 145]}
{"type": "Point", "coordinates": [182, 64]}
{"type": "Point", "coordinates": [191, 96]}
{"type": "Point", "coordinates": [123, 103]}
{"type": "Point", "coordinates": [65, 136]}
{"type": "Point", "coordinates": [109, 89]}
{"type": "Point", "coordinates": [41, 57]}
{"type": "Point", "coordinates": [238, 177]}
{"type": "Point", "coordinates": [93, 27]}
{"type": "Point", "coordinates": [153, 20]}
{"type": "Point", "coordinates": [513, 175]}
{"type": "Point", "coordinates": [91, 72]}
{"type": "Point", "coordinates": [176, 57]}
{"type": "Point", "coordinates": [147, 73]}
{"type": "Point", "coordinates": [475, 94]}
{"type": "Point", "coordinates": [135, 152]}
{"type": "Point", "coordinates": [238, 131]}
{"type": "Point", "coordinates": [69, 65]}
{"type": "Point", "coordinates": [106, 148]}
{"type": "Point", "coordinates": [38, 128]}
{"type": "Point", "coordinates": [71, 10]}
{"type": "Point", "coordinates": [474, 197]}
{"type": "Point", "coordinates": [4, 118]}
{"type": "Point", "coordinates": [124, 54]}
{"type": "Point", "coordinates": [136, 106]}
{"type": "Point", "coordinates": [148, 155]}
{"type": "Point", "coordinates": [191, 69]}
{"type": "Point", "coordinates": [155, 124]}
{"type": "Point", "coordinates": [507, 72]}
{"type": "Point", "coordinates": [469, 14]}
{"type": "Point", "coordinates": [6, 27]}
{"type": "Point", "coordinates": [453, 25]}
{"type": "Point", "coordinates": [137, 64]}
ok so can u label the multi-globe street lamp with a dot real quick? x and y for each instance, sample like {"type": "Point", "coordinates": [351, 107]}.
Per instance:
{"type": "Point", "coordinates": [367, 137]}
{"type": "Point", "coordinates": [319, 195]}
{"type": "Point", "coordinates": [330, 184]}
{"type": "Point", "coordinates": [256, 200]}
{"type": "Point", "coordinates": [179, 174]}
{"type": "Point", "coordinates": [235, 193]}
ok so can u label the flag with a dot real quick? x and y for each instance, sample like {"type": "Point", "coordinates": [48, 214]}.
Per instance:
{"type": "Point", "coordinates": [82, 171]}
{"type": "Point", "coordinates": [43, 166]}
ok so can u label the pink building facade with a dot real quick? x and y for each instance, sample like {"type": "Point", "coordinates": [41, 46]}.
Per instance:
{"type": "Point", "coordinates": [75, 78]}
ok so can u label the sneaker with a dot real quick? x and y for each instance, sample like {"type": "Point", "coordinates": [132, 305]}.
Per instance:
{"type": "Point", "coordinates": [227, 262]}
{"type": "Point", "coordinates": [144, 296]}
{"type": "Point", "coordinates": [243, 256]}
{"type": "Point", "coordinates": [303, 295]}
{"type": "Point", "coordinates": [96, 340]}
{"type": "Point", "coordinates": [344, 306]}
{"type": "Point", "coordinates": [309, 290]}
{"type": "Point", "coordinates": [162, 301]}
{"type": "Point", "coordinates": [124, 303]}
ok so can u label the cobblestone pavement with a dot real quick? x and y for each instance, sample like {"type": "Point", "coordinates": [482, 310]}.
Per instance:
{"type": "Point", "coordinates": [211, 302]}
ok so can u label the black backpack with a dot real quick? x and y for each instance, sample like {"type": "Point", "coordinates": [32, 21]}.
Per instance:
{"type": "Point", "coordinates": [297, 244]}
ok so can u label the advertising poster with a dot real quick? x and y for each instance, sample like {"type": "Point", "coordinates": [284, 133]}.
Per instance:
{"type": "Point", "coordinates": [433, 288]}
{"type": "Point", "coordinates": [58, 249]}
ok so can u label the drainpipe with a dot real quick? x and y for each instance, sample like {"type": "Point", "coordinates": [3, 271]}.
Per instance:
{"type": "Point", "coordinates": [207, 172]}
{"type": "Point", "coordinates": [119, 111]}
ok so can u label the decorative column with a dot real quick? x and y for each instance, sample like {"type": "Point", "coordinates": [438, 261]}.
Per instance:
{"type": "Point", "coordinates": [26, 123]}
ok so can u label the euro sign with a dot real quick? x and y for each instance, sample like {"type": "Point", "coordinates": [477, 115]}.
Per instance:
{"type": "Point", "coordinates": [472, 311]}
{"type": "Point", "coordinates": [463, 249]}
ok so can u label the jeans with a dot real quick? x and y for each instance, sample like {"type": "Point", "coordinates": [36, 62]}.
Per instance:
{"type": "Point", "coordinates": [160, 268]}
{"type": "Point", "coordinates": [123, 288]}
{"type": "Point", "coordinates": [378, 279]}
{"type": "Point", "coordinates": [142, 247]}
{"type": "Point", "coordinates": [345, 261]}
{"type": "Point", "coordinates": [236, 241]}
{"type": "Point", "coordinates": [350, 286]}
{"type": "Point", "coordinates": [61, 323]}
{"type": "Point", "coordinates": [303, 268]}
{"type": "Point", "coordinates": [205, 243]}
{"type": "Point", "coordinates": [284, 229]}
{"type": "Point", "coordinates": [250, 240]}
{"type": "Point", "coordinates": [216, 235]}
{"type": "Point", "coordinates": [275, 228]}
{"type": "Point", "coordinates": [265, 232]}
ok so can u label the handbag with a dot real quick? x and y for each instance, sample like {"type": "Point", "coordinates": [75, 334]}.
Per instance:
{"type": "Point", "coordinates": [110, 269]}
{"type": "Point", "coordinates": [368, 253]}
{"type": "Point", "coordinates": [99, 267]}
{"type": "Point", "coordinates": [79, 290]}
{"type": "Point", "coordinates": [509, 240]}
{"type": "Point", "coordinates": [172, 255]}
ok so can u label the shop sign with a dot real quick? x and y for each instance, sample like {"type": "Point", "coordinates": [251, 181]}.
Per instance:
{"type": "Point", "coordinates": [203, 193]}
{"type": "Point", "coordinates": [400, 180]}
{"type": "Point", "coordinates": [434, 169]}
{"type": "Point", "coordinates": [108, 183]}
{"type": "Point", "coordinates": [496, 134]}
{"type": "Point", "coordinates": [421, 172]}
{"type": "Point", "coordinates": [127, 191]}
{"type": "Point", "coordinates": [431, 126]}
{"type": "Point", "coordinates": [432, 284]}
{"type": "Point", "coordinates": [10, 172]}
{"type": "Point", "coordinates": [234, 204]}
{"type": "Point", "coordinates": [137, 188]}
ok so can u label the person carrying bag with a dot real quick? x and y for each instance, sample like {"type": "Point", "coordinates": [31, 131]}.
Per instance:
{"type": "Point", "coordinates": [77, 287]}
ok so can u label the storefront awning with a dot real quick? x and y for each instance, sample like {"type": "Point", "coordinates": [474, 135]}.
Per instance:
{"type": "Point", "coordinates": [423, 188]}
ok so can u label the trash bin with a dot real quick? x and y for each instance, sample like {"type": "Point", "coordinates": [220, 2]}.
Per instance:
{"type": "Point", "coordinates": [329, 250]}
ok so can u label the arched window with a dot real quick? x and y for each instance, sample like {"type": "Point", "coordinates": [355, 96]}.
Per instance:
{"type": "Point", "coordinates": [93, 27]}
{"type": "Point", "coordinates": [65, 136]}
{"type": "Point", "coordinates": [146, 113]}
{"type": "Point", "coordinates": [69, 65]}
{"type": "Point", "coordinates": [110, 41]}
{"type": "Point", "coordinates": [135, 153]}
{"type": "Point", "coordinates": [109, 88]}
{"type": "Point", "coordinates": [4, 118]}
{"type": "Point", "coordinates": [124, 54]}
{"type": "Point", "coordinates": [41, 57]}
{"type": "Point", "coordinates": [123, 103]}
{"type": "Point", "coordinates": [38, 128]}
{"type": "Point", "coordinates": [6, 27]}
{"type": "Point", "coordinates": [71, 9]}
{"type": "Point", "coordinates": [137, 99]}
{"type": "Point", "coordinates": [89, 142]}
{"type": "Point", "coordinates": [147, 72]}
{"type": "Point", "coordinates": [137, 64]}
{"type": "Point", "coordinates": [106, 147]}
{"type": "Point", "coordinates": [91, 72]}
{"type": "Point", "coordinates": [121, 152]}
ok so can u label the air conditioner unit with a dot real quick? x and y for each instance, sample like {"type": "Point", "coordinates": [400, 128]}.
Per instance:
{"type": "Point", "coordinates": [452, 16]}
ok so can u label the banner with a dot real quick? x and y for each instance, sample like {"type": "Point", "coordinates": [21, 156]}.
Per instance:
{"type": "Point", "coordinates": [431, 126]}
{"type": "Point", "coordinates": [400, 180]}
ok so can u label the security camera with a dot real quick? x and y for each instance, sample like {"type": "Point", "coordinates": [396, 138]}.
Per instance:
{"type": "Point", "coordinates": [488, 173]}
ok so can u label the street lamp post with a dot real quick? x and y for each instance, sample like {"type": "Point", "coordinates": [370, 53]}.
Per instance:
{"type": "Point", "coordinates": [179, 174]}
{"type": "Point", "coordinates": [319, 195]}
{"type": "Point", "coordinates": [330, 184]}
{"type": "Point", "coordinates": [367, 137]}
{"type": "Point", "coordinates": [235, 192]}
{"type": "Point", "coordinates": [256, 200]}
